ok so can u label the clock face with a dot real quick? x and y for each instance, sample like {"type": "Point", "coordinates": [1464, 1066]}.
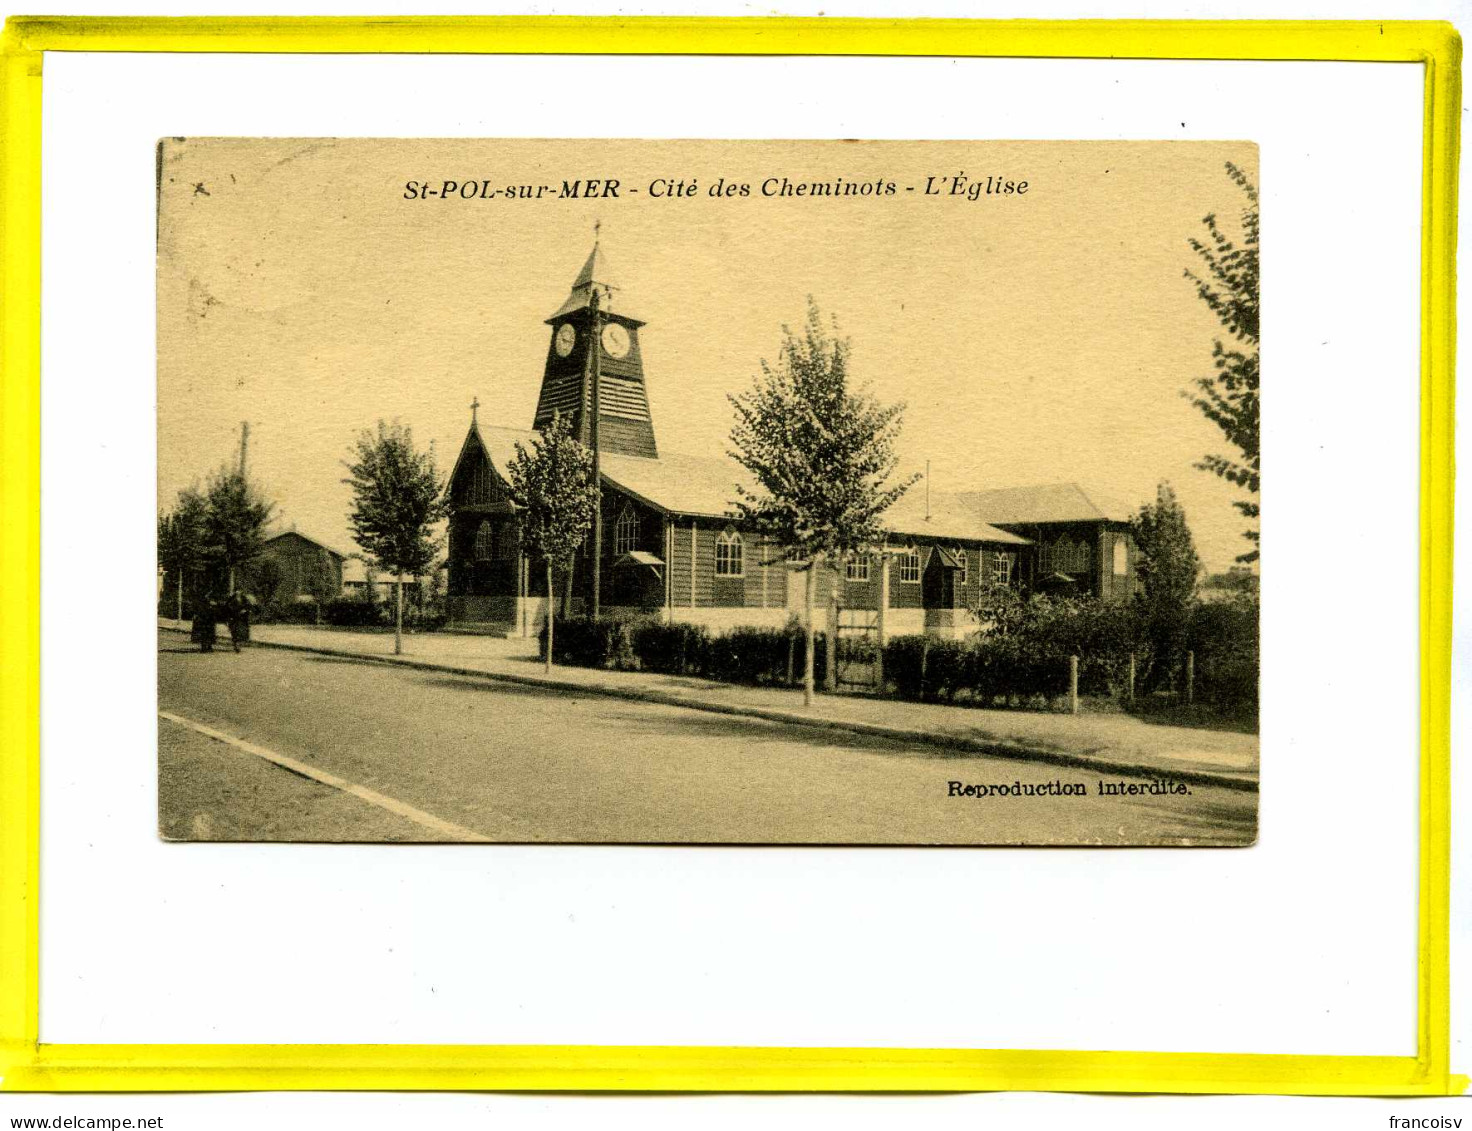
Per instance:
{"type": "Point", "coordinates": [615, 340]}
{"type": "Point", "coordinates": [566, 336]}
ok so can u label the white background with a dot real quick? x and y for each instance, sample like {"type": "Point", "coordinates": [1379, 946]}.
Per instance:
{"type": "Point", "coordinates": [1304, 943]}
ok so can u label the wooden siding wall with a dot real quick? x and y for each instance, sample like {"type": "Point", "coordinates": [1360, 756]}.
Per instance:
{"type": "Point", "coordinates": [705, 566]}
{"type": "Point", "coordinates": [748, 591]}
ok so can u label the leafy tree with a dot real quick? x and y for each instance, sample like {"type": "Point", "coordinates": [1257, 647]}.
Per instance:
{"type": "Point", "coordinates": [822, 456]}
{"type": "Point", "coordinates": [267, 580]}
{"type": "Point", "coordinates": [398, 497]}
{"type": "Point", "coordinates": [236, 513]}
{"type": "Point", "coordinates": [181, 541]}
{"type": "Point", "coordinates": [552, 485]}
{"type": "Point", "coordinates": [1229, 396]}
{"type": "Point", "coordinates": [1168, 570]}
{"type": "Point", "coordinates": [322, 582]}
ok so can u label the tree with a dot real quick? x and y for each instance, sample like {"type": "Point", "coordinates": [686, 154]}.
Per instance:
{"type": "Point", "coordinates": [1229, 397]}
{"type": "Point", "coordinates": [322, 582]}
{"type": "Point", "coordinates": [821, 455]}
{"type": "Point", "coordinates": [552, 487]}
{"type": "Point", "coordinates": [267, 580]}
{"type": "Point", "coordinates": [235, 516]}
{"type": "Point", "coordinates": [398, 497]}
{"type": "Point", "coordinates": [181, 541]}
{"type": "Point", "coordinates": [1168, 570]}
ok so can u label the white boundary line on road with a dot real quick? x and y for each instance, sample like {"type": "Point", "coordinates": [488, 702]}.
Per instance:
{"type": "Point", "coordinates": [445, 829]}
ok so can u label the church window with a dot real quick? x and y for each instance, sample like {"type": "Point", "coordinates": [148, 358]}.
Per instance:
{"type": "Point", "coordinates": [857, 569]}
{"type": "Point", "coordinates": [1064, 556]}
{"type": "Point", "coordinates": [728, 555]}
{"type": "Point", "coordinates": [909, 563]}
{"type": "Point", "coordinates": [485, 542]}
{"type": "Point", "coordinates": [964, 571]}
{"type": "Point", "coordinates": [626, 532]}
{"type": "Point", "coordinates": [1121, 558]}
{"type": "Point", "coordinates": [481, 489]}
{"type": "Point", "coordinates": [1002, 569]}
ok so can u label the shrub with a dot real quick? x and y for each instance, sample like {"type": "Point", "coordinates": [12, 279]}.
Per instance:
{"type": "Point", "coordinates": [429, 617]}
{"type": "Point", "coordinates": [352, 612]}
{"type": "Point", "coordinates": [580, 641]}
{"type": "Point", "coordinates": [748, 654]}
{"type": "Point", "coordinates": [948, 669]}
{"type": "Point", "coordinates": [1224, 637]}
{"type": "Point", "coordinates": [576, 641]}
{"type": "Point", "coordinates": [300, 610]}
{"type": "Point", "coordinates": [674, 649]}
{"type": "Point", "coordinates": [904, 664]}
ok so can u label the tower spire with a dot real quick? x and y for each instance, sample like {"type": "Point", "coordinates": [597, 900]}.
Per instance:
{"type": "Point", "coordinates": [594, 369]}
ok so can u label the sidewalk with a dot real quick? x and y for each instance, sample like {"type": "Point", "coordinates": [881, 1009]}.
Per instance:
{"type": "Point", "coordinates": [1107, 743]}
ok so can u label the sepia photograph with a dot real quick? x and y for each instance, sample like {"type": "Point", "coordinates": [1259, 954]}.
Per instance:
{"type": "Point", "coordinates": [708, 492]}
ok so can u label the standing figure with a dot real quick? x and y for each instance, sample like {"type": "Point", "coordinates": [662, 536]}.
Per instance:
{"type": "Point", "coordinates": [237, 617]}
{"type": "Point", "coordinates": [206, 616]}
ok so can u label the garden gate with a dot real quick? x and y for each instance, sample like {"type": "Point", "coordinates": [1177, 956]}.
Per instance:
{"type": "Point", "coordinates": [857, 647]}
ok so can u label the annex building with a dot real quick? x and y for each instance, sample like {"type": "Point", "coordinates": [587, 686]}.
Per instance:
{"type": "Point", "coordinates": [671, 549]}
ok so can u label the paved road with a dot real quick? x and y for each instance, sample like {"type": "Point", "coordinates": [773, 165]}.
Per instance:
{"type": "Point", "coordinates": [375, 753]}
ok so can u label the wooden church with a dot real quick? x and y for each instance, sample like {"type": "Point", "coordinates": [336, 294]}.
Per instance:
{"type": "Point", "coordinates": [670, 548]}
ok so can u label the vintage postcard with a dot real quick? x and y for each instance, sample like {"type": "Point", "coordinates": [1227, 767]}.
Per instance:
{"type": "Point", "coordinates": [691, 491]}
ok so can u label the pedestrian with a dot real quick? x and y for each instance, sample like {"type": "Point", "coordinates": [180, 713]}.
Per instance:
{"type": "Point", "coordinates": [237, 616]}
{"type": "Point", "coordinates": [206, 616]}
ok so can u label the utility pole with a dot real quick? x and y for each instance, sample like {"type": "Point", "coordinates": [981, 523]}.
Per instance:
{"type": "Point", "coordinates": [594, 346]}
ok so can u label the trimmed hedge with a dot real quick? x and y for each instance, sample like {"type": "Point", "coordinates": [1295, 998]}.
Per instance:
{"type": "Point", "coordinates": [350, 612]}
{"type": "Point", "coordinates": [1018, 662]}
{"type": "Point", "coordinates": [746, 654]}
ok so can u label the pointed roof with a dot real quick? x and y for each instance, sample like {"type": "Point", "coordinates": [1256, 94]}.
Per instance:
{"type": "Point", "coordinates": [594, 276]}
{"type": "Point", "coordinates": [276, 535]}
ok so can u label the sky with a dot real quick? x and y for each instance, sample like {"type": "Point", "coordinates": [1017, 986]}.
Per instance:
{"type": "Point", "coordinates": [1033, 337]}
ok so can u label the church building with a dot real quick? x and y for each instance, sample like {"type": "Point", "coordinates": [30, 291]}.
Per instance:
{"type": "Point", "coordinates": [671, 548]}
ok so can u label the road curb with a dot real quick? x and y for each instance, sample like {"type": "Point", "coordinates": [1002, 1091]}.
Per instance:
{"type": "Point", "coordinates": [1001, 747]}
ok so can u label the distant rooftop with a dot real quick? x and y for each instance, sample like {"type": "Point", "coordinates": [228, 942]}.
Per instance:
{"type": "Point", "coordinates": [1042, 502]}
{"type": "Point", "coordinates": [292, 529]}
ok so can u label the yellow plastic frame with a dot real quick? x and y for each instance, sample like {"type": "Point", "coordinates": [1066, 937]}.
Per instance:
{"type": "Point", "coordinates": [26, 1064]}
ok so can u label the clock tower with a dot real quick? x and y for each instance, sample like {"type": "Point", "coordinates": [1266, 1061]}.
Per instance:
{"type": "Point", "coordinates": [575, 360]}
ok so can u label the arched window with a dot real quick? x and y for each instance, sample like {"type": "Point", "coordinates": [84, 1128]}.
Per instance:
{"type": "Point", "coordinates": [1002, 569]}
{"type": "Point", "coordinates": [909, 563]}
{"type": "Point", "coordinates": [481, 484]}
{"type": "Point", "coordinates": [965, 570]}
{"type": "Point", "coordinates": [485, 542]}
{"type": "Point", "coordinates": [1065, 556]}
{"type": "Point", "coordinates": [728, 555]}
{"type": "Point", "coordinates": [626, 532]}
{"type": "Point", "coordinates": [1121, 557]}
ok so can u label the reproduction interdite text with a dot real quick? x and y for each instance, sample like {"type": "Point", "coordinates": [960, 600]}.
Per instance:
{"type": "Point", "coordinates": [1058, 788]}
